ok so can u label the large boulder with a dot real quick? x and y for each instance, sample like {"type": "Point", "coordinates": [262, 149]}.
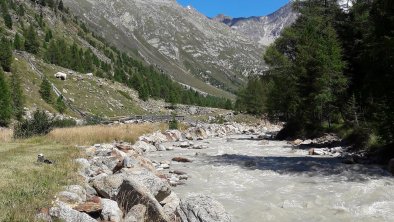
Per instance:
{"type": "Point", "coordinates": [170, 205]}
{"type": "Point", "coordinates": [111, 211]}
{"type": "Point", "coordinates": [173, 135]}
{"type": "Point", "coordinates": [200, 208]}
{"type": "Point", "coordinates": [107, 186]}
{"type": "Point", "coordinates": [131, 193]}
{"type": "Point", "coordinates": [65, 213]}
{"type": "Point", "coordinates": [144, 146]}
{"type": "Point", "coordinates": [158, 137]}
{"type": "Point", "coordinates": [136, 214]}
{"type": "Point", "coordinates": [201, 133]}
{"type": "Point", "coordinates": [159, 188]}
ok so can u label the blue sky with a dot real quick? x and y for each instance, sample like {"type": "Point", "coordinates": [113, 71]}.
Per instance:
{"type": "Point", "coordinates": [235, 8]}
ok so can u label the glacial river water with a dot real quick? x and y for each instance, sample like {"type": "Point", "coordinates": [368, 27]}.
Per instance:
{"type": "Point", "coordinates": [273, 182]}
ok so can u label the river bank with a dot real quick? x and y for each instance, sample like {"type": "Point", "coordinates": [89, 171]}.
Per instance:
{"type": "Point", "coordinates": [121, 184]}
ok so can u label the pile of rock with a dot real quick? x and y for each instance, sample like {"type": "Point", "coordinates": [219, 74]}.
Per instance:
{"type": "Point", "coordinates": [121, 184]}
{"type": "Point", "coordinates": [335, 151]}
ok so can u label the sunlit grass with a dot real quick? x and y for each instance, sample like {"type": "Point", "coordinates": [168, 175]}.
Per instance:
{"type": "Point", "coordinates": [88, 135]}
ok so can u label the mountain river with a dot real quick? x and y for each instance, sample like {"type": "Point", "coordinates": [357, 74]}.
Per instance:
{"type": "Point", "coordinates": [273, 182]}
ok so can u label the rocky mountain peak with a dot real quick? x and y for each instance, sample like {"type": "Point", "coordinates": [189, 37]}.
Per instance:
{"type": "Point", "coordinates": [263, 30]}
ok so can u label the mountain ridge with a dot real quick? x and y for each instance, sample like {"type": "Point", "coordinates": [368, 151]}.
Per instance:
{"type": "Point", "coordinates": [181, 41]}
{"type": "Point", "coordinates": [261, 29]}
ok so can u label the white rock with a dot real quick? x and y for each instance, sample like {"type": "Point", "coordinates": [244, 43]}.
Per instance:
{"type": "Point", "coordinates": [111, 211]}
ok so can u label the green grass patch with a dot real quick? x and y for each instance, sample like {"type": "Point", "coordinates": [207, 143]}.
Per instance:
{"type": "Point", "coordinates": [26, 186]}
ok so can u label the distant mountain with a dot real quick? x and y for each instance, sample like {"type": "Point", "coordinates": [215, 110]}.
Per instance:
{"type": "Point", "coordinates": [182, 42]}
{"type": "Point", "coordinates": [261, 29]}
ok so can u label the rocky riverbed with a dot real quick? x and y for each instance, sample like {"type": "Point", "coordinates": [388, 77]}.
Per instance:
{"type": "Point", "coordinates": [122, 184]}
{"type": "Point", "coordinates": [223, 173]}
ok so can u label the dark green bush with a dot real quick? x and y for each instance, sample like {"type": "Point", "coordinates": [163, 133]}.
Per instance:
{"type": "Point", "coordinates": [93, 120]}
{"type": "Point", "coordinates": [359, 138]}
{"type": "Point", "coordinates": [40, 124]}
{"type": "Point", "coordinates": [173, 124]}
{"type": "Point", "coordinates": [64, 123]}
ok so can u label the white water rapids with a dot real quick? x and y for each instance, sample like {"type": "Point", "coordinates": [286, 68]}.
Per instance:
{"type": "Point", "coordinates": [273, 182]}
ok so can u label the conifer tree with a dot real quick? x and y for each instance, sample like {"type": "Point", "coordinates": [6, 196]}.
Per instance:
{"type": "Point", "coordinates": [48, 35]}
{"type": "Point", "coordinates": [21, 10]}
{"type": "Point", "coordinates": [61, 6]}
{"type": "Point", "coordinates": [5, 101]}
{"type": "Point", "coordinates": [18, 45]}
{"type": "Point", "coordinates": [6, 15]}
{"type": "Point", "coordinates": [307, 69]}
{"type": "Point", "coordinates": [5, 54]}
{"type": "Point", "coordinates": [46, 91]}
{"type": "Point", "coordinates": [32, 44]}
{"type": "Point", "coordinates": [17, 96]}
{"type": "Point", "coordinates": [60, 105]}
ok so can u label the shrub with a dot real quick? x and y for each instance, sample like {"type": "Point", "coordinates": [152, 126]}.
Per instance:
{"type": "Point", "coordinates": [64, 123]}
{"type": "Point", "coordinates": [40, 124]}
{"type": "Point", "coordinates": [359, 138]}
{"type": "Point", "coordinates": [173, 124]}
{"type": "Point", "coordinates": [93, 120]}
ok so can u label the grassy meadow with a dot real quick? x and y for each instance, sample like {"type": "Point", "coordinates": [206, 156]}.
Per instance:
{"type": "Point", "coordinates": [26, 187]}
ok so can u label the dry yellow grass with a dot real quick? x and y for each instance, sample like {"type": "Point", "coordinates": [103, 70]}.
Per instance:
{"type": "Point", "coordinates": [89, 135]}
{"type": "Point", "coordinates": [5, 135]}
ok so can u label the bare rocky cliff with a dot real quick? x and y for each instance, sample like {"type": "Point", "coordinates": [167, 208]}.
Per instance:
{"type": "Point", "coordinates": [262, 29]}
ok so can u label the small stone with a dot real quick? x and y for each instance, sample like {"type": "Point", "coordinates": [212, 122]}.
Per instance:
{"type": "Point", "coordinates": [89, 207]}
{"type": "Point", "coordinates": [178, 172]}
{"type": "Point", "coordinates": [183, 177]}
{"type": "Point", "coordinates": [184, 145]}
{"type": "Point", "coordinates": [297, 142]}
{"type": "Point", "coordinates": [165, 166]}
{"type": "Point", "coordinates": [161, 147]}
{"type": "Point", "coordinates": [181, 159]}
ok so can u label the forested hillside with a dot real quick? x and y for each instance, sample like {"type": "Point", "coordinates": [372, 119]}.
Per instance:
{"type": "Point", "coordinates": [331, 71]}
{"type": "Point", "coordinates": [46, 30]}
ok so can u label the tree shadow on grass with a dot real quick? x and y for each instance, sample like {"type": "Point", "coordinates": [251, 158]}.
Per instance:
{"type": "Point", "coordinates": [308, 166]}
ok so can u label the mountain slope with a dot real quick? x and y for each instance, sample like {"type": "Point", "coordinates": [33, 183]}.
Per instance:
{"type": "Point", "coordinates": [39, 39]}
{"type": "Point", "coordinates": [193, 49]}
{"type": "Point", "coordinates": [264, 29]}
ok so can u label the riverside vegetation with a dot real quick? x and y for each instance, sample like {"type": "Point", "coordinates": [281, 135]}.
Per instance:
{"type": "Point", "coordinates": [331, 71]}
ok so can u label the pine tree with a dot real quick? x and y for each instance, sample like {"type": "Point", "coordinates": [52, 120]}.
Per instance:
{"type": "Point", "coordinates": [21, 10]}
{"type": "Point", "coordinates": [307, 68]}
{"type": "Point", "coordinates": [6, 15]}
{"type": "Point", "coordinates": [32, 44]}
{"type": "Point", "coordinates": [48, 35]}
{"type": "Point", "coordinates": [61, 6]}
{"type": "Point", "coordinates": [60, 105]}
{"type": "Point", "coordinates": [228, 105]}
{"type": "Point", "coordinates": [8, 20]}
{"type": "Point", "coordinates": [18, 45]}
{"type": "Point", "coordinates": [46, 91]}
{"type": "Point", "coordinates": [5, 101]}
{"type": "Point", "coordinates": [17, 96]}
{"type": "Point", "coordinates": [5, 54]}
